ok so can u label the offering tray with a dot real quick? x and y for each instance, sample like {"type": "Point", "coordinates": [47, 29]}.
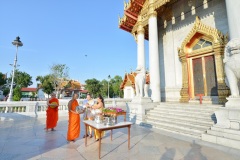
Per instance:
{"type": "Point", "coordinates": [109, 121]}
{"type": "Point", "coordinates": [98, 119]}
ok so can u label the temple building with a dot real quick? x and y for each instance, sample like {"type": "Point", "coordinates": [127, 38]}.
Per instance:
{"type": "Point", "coordinates": [128, 84]}
{"type": "Point", "coordinates": [69, 87]}
{"type": "Point", "coordinates": [186, 40]}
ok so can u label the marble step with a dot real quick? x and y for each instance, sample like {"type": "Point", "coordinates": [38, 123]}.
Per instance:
{"type": "Point", "coordinates": [188, 116]}
{"type": "Point", "coordinates": [192, 108]}
{"type": "Point", "coordinates": [174, 130]}
{"type": "Point", "coordinates": [226, 130]}
{"type": "Point", "coordinates": [221, 140]}
{"type": "Point", "coordinates": [202, 124]}
{"type": "Point", "coordinates": [185, 127]}
{"type": "Point", "coordinates": [182, 112]}
{"type": "Point", "coordinates": [182, 118]}
{"type": "Point", "coordinates": [224, 134]}
{"type": "Point", "coordinates": [189, 105]}
{"type": "Point", "coordinates": [186, 119]}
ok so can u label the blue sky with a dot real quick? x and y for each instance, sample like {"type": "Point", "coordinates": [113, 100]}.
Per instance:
{"type": "Point", "coordinates": [63, 32]}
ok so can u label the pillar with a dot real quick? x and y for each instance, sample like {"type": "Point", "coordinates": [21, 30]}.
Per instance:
{"type": "Point", "coordinates": [233, 18]}
{"type": "Point", "coordinates": [154, 54]}
{"type": "Point", "coordinates": [140, 47]}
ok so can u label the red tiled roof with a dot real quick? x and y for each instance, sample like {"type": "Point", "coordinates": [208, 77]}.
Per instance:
{"type": "Point", "coordinates": [73, 84]}
{"type": "Point", "coordinates": [131, 13]}
{"type": "Point", "coordinates": [130, 77]}
{"type": "Point", "coordinates": [84, 91]}
{"type": "Point", "coordinates": [28, 89]}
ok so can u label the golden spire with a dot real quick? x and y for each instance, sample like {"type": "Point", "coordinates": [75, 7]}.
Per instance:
{"type": "Point", "coordinates": [125, 4]}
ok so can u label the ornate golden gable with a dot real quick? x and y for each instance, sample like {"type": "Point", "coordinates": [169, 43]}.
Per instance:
{"type": "Point", "coordinates": [211, 33]}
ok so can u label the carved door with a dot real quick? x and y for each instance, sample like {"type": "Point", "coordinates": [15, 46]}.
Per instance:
{"type": "Point", "coordinates": [211, 79]}
{"type": "Point", "coordinates": [198, 76]}
{"type": "Point", "coordinates": [204, 76]}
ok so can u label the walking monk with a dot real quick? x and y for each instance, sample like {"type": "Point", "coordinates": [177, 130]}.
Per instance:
{"type": "Point", "coordinates": [74, 119]}
{"type": "Point", "coordinates": [52, 112]}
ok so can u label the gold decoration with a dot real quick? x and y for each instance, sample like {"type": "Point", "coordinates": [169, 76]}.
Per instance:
{"type": "Point", "coordinates": [218, 43]}
{"type": "Point", "coordinates": [151, 9]}
{"type": "Point", "coordinates": [127, 4]}
{"type": "Point", "coordinates": [140, 29]}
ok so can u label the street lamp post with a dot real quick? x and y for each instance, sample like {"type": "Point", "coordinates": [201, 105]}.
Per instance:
{"type": "Point", "coordinates": [109, 77]}
{"type": "Point", "coordinates": [16, 43]}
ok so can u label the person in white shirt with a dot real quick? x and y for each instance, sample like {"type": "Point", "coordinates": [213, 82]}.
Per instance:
{"type": "Point", "coordinates": [88, 103]}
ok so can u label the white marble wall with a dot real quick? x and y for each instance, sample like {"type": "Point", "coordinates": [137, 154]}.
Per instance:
{"type": "Point", "coordinates": [172, 36]}
{"type": "Point", "coordinates": [128, 92]}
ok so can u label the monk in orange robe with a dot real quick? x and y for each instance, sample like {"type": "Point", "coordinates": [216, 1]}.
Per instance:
{"type": "Point", "coordinates": [52, 112]}
{"type": "Point", "coordinates": [74, 119]}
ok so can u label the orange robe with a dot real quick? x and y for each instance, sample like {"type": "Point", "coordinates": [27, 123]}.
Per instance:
{"type": "Point", "coordinates": [73, 123]}
{"type": "Point", "coordinates": [52, 115]}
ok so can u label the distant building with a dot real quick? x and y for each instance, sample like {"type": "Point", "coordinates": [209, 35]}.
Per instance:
{"type": "Point", "coordinates": [72, 86]}
{"type": "Point", "coordinates": [128, 84]}
{"type": "Point", "coordinates": [28, 93]}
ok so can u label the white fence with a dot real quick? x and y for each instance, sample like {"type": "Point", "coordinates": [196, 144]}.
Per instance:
{"type": "Point", "coordinates": [41, 106]}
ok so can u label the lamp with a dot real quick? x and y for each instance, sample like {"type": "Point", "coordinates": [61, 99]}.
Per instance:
{"type": "Point", "coordinates": [16, 43]}
{"type": "Point", "coordinates": [109, 77]}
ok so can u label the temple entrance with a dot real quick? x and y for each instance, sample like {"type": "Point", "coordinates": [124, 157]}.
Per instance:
{"type": "Point", "coordinates": [202, 69]}
{"type": "Point", "coordinates": [201, 55]}
{"type": "Point", "coordinates": [204, 76]}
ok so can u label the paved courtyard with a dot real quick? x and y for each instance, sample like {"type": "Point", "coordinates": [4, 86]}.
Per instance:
{"type": "Point", "coordinates": [23, 137]}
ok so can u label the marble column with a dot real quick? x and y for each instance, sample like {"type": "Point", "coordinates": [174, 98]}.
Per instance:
{"type": "Point", "coordinates": [233, 18]}
{"type": "Point", "coordinates": [140, 47]}
{"type": "Point", "coordinates": [154, 55]}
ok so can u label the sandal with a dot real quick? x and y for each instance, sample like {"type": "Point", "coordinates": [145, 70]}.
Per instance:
{"type": "Point", "coordinates": [71, 141]}
{"type": "Point", "coordinates": [85, 136]}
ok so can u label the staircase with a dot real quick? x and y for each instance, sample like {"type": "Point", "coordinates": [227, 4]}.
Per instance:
{"type": "Point", "coordinates": [226, 137]}
{"type": "Point", "coordinates": [186, 119]}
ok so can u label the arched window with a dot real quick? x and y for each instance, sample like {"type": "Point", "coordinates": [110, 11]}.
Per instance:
{"type": "Point", "coordinates": [202, 43]}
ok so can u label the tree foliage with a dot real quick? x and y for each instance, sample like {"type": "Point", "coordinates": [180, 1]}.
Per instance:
{"type": "Point", "coordinates": [3, 84]}
{"type": "Point", "coordinates": [96, 87]}
{"type": "Point", "coordinates": [6, 91]}
{"type": "Point", "coordinates": [115, 86]}
{"type": "Point", "coordinates": [2, 79]}
{"type": "Point", "coordinates": [59, 73]}
{"type": "Point", "coordinates": [104, 88]}
{"type": "Point", "coordinates": [93, 86]}
{"type": "Point", "coordinates": [21, 79]}
{"type": "Point", "coordinates": [46, 83]}
{"type": "Point", "coordinates": [17, 94]}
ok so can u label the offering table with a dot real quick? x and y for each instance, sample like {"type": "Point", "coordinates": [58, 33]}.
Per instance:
{"type": "Point", "coordinates": [101, 127]}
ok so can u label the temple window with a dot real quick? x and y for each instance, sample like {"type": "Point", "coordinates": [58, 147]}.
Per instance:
{"type": "Point", "coordinates": [202, 43]}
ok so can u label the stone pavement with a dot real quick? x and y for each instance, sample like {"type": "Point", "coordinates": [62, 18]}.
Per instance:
{"type": "Point", "coordinates": [23, 137]}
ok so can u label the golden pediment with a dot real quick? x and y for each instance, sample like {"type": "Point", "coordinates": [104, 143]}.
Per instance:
{"type": "Point", "coordinates": [201, 30]}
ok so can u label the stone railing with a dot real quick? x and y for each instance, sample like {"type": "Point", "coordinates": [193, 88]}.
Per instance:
{"type": "Point", "coordinates": [36, 107]}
